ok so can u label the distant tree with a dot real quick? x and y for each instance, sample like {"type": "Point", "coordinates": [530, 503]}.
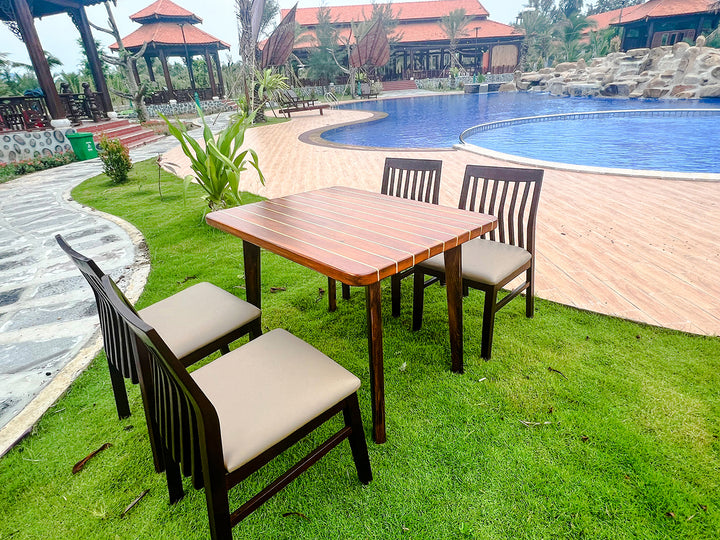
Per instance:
{"type": "Point", "coordinates": [570, 7]}
{"type": "Point", "coordinates": [601, 6]}
{"type": "Point", "coordinates": [321, 62]}
{"type": "Point", "coordinates": [537, 47]}
{"type": "Point", "coordinates": [85, 64]}
{"type": "Point", "coordinates": [600, 43]}
{"type": "Point", "coordinates": [454, 24]}
{"type": "Point", "coordinates": [569, 34]}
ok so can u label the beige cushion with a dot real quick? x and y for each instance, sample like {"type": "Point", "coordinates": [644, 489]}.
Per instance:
{"type": "Point", "coordinates": [485, 261]}
{"type": "Point", "coordinates": [196, 316]}
{"type": "Point", "coordinates": [267, 389]}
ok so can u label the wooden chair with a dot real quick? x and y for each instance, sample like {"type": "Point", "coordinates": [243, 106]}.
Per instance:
{"type": "Point", "coordinates": [229, 418]}
{"type": "Point", "coordinates": [489, 263]}
{"type": "Point", "coordinates": [194, 322]}
{"type": "Point", "coordinates": [416, 179]}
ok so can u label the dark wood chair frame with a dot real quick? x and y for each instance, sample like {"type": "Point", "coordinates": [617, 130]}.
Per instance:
{"type": "Point", "coordinates": [122, 360]}
{"type": "Point", "coordinates": [189, 430]}
{"type": "Point", "coordinates": [512, 194]}
{"type": "Point", "coordinates": [416, 179]}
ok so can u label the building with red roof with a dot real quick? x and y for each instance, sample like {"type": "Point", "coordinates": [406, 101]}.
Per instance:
{"type": "Point", "coordinates": [168, 29]}
{"type": "Point", "coordinates": [419, 46]}
{"type": "Point", "coordinates": [661, 22]}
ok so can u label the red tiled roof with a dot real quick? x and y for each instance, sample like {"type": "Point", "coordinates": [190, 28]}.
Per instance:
{"type": "Point", "coordinates": [654, 9]}
{"type": "Point", "coordinates": [413, 32]}
{"type": "Point", "coordinates": [166, 33]}
{"type": "Point", "coordinates": [434, 9]}
{"type": "Point", "coordinates": [164, 9]}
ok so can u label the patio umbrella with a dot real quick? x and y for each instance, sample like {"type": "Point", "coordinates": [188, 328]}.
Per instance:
{"type": "Point", "coordinates": [373, 49]}
{"type": "Point", "coordinates": [280, 43]}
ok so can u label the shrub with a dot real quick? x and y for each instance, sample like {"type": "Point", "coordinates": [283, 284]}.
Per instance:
{"type": "Point", "coordinates": [115, 158]}
{"type": "Point", "coordinates": [8, 171]}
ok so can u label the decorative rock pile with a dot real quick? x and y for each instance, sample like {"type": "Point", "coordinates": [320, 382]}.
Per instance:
{"type": "Point", "coordinates": [679, 71]}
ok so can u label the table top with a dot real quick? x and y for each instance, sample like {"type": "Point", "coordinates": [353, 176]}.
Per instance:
{"type": "Point", "coordinates": [355, 236]}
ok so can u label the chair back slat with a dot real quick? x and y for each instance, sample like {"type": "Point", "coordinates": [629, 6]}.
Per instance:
{"type": "Point", "coordinates": [114, 331]}
{"type": "Point", "coordinates": [416, 179]}
{"type": "Point", "coordinates": [180, 410]}
{"type": "Point", "coordinates": [511, 194]}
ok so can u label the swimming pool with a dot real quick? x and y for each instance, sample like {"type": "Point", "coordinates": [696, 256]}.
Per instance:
{"type": "Point", "coordinates": [663, 144]}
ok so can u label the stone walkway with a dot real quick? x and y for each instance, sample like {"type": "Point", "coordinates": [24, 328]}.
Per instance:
{"type": "Point", "coordinates": [48, 321]}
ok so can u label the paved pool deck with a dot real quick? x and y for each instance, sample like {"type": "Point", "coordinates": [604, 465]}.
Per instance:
{"type": "Point", "coordinates": [641, 248]}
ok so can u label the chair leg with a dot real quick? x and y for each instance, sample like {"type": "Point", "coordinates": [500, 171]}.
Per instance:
{"type": "Point", "coordinates": [418, 298]}
{"type": "Point", "coordinates": [488, 323]}
{"type": "Point", "coordinates": [346, 292]}
{"type": "Point", "coordinates": [395, 294]}
{"type": "Point", "coordinates": [358, 445]}
{"type": "Point", "coordinates": [174, 478]}
{"type": "Point", "coordinates": [530, 294]}
{"type": "Point", "coordinates": [118, 385]}
{"type": "Point", "coordinates": [256, 329]}
{"type": "Point", "coordinates": [225, 349]}
{"type": "Point", "coordinates": [218, 507]}
{"type": "Point", "coordinates": [332, 301]}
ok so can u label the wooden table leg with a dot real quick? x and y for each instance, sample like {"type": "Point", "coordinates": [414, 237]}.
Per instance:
{"type": "Point", "coordinates": [375, 348]}
{"type": "Point", "coordinates": [251, 260]}
{"type": "Point", "coordinates": [453, 275]}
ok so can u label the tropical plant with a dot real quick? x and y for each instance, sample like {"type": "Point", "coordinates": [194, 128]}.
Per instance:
{"type": "Point", "coordinates": [537, 46]}
{"type": "Point", "coordinates": [601, 6]}
{"type": "Point", "coordinates": [115, 158]}
{"type": "Point", "coordinates": [569, 33]}
{"type": "Point", "coordinates": [268, 84]}
{"type": "Point", "coordinates": [218, 163]}
{"type": "Point", "coordinates": [454, 24]}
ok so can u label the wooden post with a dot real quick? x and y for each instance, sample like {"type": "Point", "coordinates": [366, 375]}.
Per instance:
{"type": "Point", "coordinates": [26, 25]}
{"type": "Point", "coordinates": [81, 21]}
{"type": "Point", "coordinates": [220, 83]}
{"type": "Point", "coordinates": [136, 75]}
{"type": "Point", "coordinates": [211, 77]}
{"type": "Point", "coordinates": [148, 61]}
{"type": "Point", "coordinates": [166, 71]}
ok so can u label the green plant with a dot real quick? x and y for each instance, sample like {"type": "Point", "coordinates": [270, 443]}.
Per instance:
{"type": "Point", "coordinates": [8, 171]}
{"type": "Point", "coordinates": [218, 165]}
{"type": "Point", "coordinates": [115, 158]}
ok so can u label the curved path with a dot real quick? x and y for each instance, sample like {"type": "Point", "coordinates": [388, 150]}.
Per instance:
{"type": "Point", "coordinates": [48, 322]}
{"type": "Point", "coordinates": [644, 249]}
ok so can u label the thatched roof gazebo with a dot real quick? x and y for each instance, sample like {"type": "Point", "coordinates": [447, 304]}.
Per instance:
{"type": "Point", "coordinates": [169, 30]}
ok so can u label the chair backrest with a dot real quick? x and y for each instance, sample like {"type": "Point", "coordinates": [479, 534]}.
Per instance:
{"type": "Point", "coordinates": [179, 409]}
{"type": "Point", "coordinates": [115, 333]}
{"type": "Point", "coordinates": [511, 194]}
{"type": "Point", "coordinates": [417, 179]}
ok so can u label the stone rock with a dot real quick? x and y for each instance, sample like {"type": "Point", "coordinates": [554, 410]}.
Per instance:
{"type": "Point", "coordinates": [583, 89]}
{"type": "Point", "coordinates": [532, 78]}
{"type": "Point", "coordinates": [693, 79]}
{"type": "Point", "coordinates": [668, 74]}
{"type": "Point", "coordinates": [581, 64]}
{"type": "Point", "coordinates": [522, 85]}
{"type": "Point", "coordinates": [617, 89]}
{"type": "Point", "coordinates": [654, 92]}
{"type": "Point", "coordinates": [700, 41]}
{"type": "Point", "coordinates": [712, 90]}
{"type": "Point", "coordinates": [715, 73]}
{"type": "Point", "coordinates": [556, 88]}
{"type": "Point", "coordinates": [565, 66]}
{"type": "Point", "coordinates": [679, 89]}
{"type": "Point", "coordinates": [546, 70]}
{"type": "Point", "coordinates": [508, 87]}
{"type": "Point", "coordinates": [680, 47]}
{"type": "Point", "coordinates": [685, 95]}
{"type": "Point", "coordinates": [656, 82]}
{"type": "Point", "coordinates": [638, 53]}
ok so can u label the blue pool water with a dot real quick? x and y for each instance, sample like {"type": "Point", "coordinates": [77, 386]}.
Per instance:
{"type": "Point", "coordinates": [666, 144]}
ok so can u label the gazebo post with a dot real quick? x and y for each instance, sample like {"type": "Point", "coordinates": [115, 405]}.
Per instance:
{"type": "Point", "coordinates": [166, 71]}
{"type": "Point", "coordinates": [211, 77]}
{"type": "Point", "coordinates": [148, 61]}
{"type": "Point", "coordinates": [221, 84]}
{"type": "Point", "coordinates": [80, 19]}
{"type": "Point", "coordinates": [26, 25]}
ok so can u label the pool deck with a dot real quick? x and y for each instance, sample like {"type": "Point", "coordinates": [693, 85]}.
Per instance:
{"type": "Point", "coordinates": [644, 249]}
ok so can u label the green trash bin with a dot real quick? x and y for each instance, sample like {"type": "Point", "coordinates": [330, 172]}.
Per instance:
{"type": "Point", "coordinates": [83, 145]}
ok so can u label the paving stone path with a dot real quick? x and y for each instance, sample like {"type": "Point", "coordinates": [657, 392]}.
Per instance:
{"type": "Point", "coordinates": [48, 322]}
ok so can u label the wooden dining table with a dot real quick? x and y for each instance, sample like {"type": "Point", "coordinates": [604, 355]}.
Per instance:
{"type": "Point", "coordinates": [359, 238]}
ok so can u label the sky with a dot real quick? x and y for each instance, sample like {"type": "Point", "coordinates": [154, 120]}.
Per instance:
{"type": "Point", "coordinates": [59, 36]}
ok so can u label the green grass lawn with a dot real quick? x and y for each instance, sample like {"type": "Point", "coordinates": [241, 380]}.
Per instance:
{"type": "Point", "coordinates": [627, 445]}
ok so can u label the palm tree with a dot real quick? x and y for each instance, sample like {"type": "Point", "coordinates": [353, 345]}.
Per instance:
{"type": "Point", "coordinates": [454, 24]}
{"type": "Point", "coordinates": [568, 33]}
{"type": "Point", "coordinates": [537, 27]}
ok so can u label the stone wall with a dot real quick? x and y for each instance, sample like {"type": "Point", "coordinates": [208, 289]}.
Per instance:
{"type": "Point", "coordinates": [680, 71]}
{"type": "Point", "coordinates": [187, 107]}
{"type": "Point", "coordinates": [445, 82]}
{"type": "Point", "coordinates": [22, 145]}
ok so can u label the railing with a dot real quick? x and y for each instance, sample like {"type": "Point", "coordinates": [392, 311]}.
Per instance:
{"type": "Point", "coordinates": [331, 98]}
{"type": "Point", "coordinates": [181, 96]}
{"type": "Point", "coordinates": [588, 115]}
{"type": "Point", "coordinates": [85, 106]}
{"type": "Point", "coordinates": [23, 114]}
